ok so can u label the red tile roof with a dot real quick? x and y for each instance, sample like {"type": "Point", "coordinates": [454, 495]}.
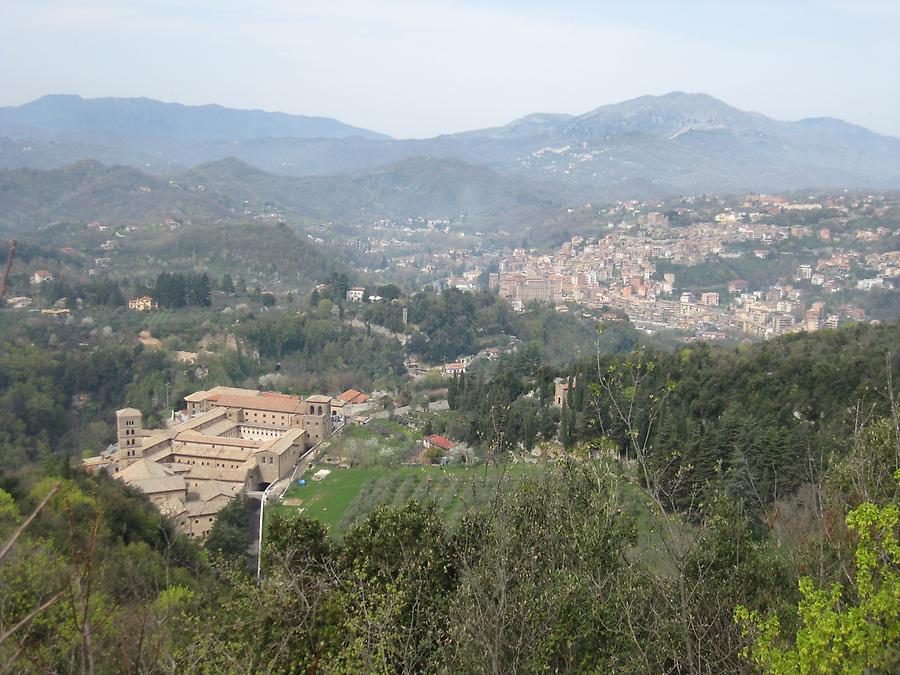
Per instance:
{"type": "Point", "coordinates": [441, 442]}
{"type": "Point", "coordinates": [265, 403]}
{"type": "Point", "coordinates": [353, 396]}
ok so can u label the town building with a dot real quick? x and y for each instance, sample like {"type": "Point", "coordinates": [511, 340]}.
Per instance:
{"type": "Point", "coordinates": [356, 294]}
{"type": "Point", "coordinates": [142, 304]}
{"type": "Point", "coordinates": [353, 397]}
{"type": "Point", "coordinates": [561, 391]}
{"type": "Point", "coordinates": [230, 441]}
{"type": "Point", "coordinates": [20, 302]}
{"type": "Point", "coordinates": [457, 368]}
{"type": "Point", "coordinates": [435, 441]}
{"type": "Point", "coordinates": [41, 277]}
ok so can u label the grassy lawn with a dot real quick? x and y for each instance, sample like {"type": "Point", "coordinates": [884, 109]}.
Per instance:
{"type": "Point", "coordinates": [346, 495]}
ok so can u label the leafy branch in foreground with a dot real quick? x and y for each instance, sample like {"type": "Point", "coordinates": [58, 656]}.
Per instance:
{"type": "Point", "coordinates": [841, 629]}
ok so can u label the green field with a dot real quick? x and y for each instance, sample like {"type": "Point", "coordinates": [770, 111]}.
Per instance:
{"type": "Point", "coordinates": [346, 495]}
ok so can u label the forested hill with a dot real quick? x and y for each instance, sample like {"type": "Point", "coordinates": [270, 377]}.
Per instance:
{"type": "Point", "coordinates": [649, 146]}
{"type": "Point", "coordinates": [760, 417]}
{"type": "Point", "coordinates": [145, 124]}
{"type": "Point", "coordinates": [567, 569]}
{"type": "Point", "coordinates": [231, 191]}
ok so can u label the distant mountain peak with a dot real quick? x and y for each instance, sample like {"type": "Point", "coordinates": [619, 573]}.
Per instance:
{"type": "Point", "coordinates": [229, 165]}
{"type": "Point", "coordinates": [666, 115]}
{"type": "Point", "coordinates": [137, 119]}
{"type": "Point", "coordinates": [649, 146]}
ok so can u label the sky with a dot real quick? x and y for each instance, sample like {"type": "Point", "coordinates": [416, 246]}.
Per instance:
{"type": "Point", "coordinates": [418, 68]}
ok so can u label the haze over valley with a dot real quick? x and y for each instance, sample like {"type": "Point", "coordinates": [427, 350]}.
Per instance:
{"type": "Point", "coordinates": [486, 355]}
{"type": "Point", "coordinates": [652, 146]}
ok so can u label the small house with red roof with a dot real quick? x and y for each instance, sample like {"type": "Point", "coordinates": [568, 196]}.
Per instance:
{"type": "Point", "coordinates": [353, 397]}
{"type": "Point", "coordinates": [435, 441]}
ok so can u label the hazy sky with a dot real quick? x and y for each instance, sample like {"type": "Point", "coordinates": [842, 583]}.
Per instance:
{"type": "Point", "coordinates": [414, 68]}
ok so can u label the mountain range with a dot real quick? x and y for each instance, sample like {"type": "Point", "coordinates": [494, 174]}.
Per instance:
{"type": "Point", "coordinates": [230, 190]}
{"type": "Point", "coordinates": [652, 146]}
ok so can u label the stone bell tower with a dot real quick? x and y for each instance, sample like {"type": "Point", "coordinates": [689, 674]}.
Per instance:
{"type": "Point", "coordinates": [129, 432]}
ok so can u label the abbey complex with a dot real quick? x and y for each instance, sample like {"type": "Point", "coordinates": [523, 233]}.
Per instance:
{"type": "Point", "coordinates": [230, 441]}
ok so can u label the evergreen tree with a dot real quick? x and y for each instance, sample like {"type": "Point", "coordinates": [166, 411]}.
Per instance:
{"type": "Point", "coordinates": [530, 433]}
{"type": "Point", "coordinates": [578, 397]}
{"type": "Point", "coordinates": [199, 290]}
{"type": "Point", "coordinates": [170, 290]}
{"type": "Point", "coordinates": [452, 390]}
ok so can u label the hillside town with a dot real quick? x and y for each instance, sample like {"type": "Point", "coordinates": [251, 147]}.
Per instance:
{"type": "Point", "coordinates": [624, 269]}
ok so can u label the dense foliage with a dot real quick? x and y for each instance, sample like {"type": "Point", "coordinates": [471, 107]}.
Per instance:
{"type": "Point", "coordinates": [318, 343]}
{"type": "Point", "coordinates": [89, 293]}
{"type": "Point", "coordinates": [669, 553]}
{"type": "Point", "coordinates": [58, 401]}
{"type": "Point", "coordinates": [456, 323]}
{"type": "Point", "coordinates": [173, 290]}
{"type": "Point", "coordinates": [94, 581]}
{"type": "Point", "coordinates": [763, 418]}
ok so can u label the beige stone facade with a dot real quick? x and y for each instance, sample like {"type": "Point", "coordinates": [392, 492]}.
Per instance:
{"type": "Point", "coordinates": [561, 391]}
{"type": "Point", "coordinates": [232, 441]}
{"type": "Point", "coordinates": [142, 304]}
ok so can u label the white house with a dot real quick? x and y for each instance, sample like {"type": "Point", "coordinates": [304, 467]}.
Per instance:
{"type": "Point", "coordinates": [356, 294]}
{"type": "Point", "coordinates": [41, 276]}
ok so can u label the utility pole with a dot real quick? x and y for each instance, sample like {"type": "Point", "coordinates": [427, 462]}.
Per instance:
{"type": "Point", "coordinates": [167, 395]}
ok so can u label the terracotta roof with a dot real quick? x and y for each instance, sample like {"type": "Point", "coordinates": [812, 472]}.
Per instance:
{"type": "Point", "coordinates": [441, 442]}
{"type": "Point", "coordinates": [353, 396]}
{"type": "Point", "coordinates": [265, 403]}
{"type": "Point", "coordinates": [275, 394]}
